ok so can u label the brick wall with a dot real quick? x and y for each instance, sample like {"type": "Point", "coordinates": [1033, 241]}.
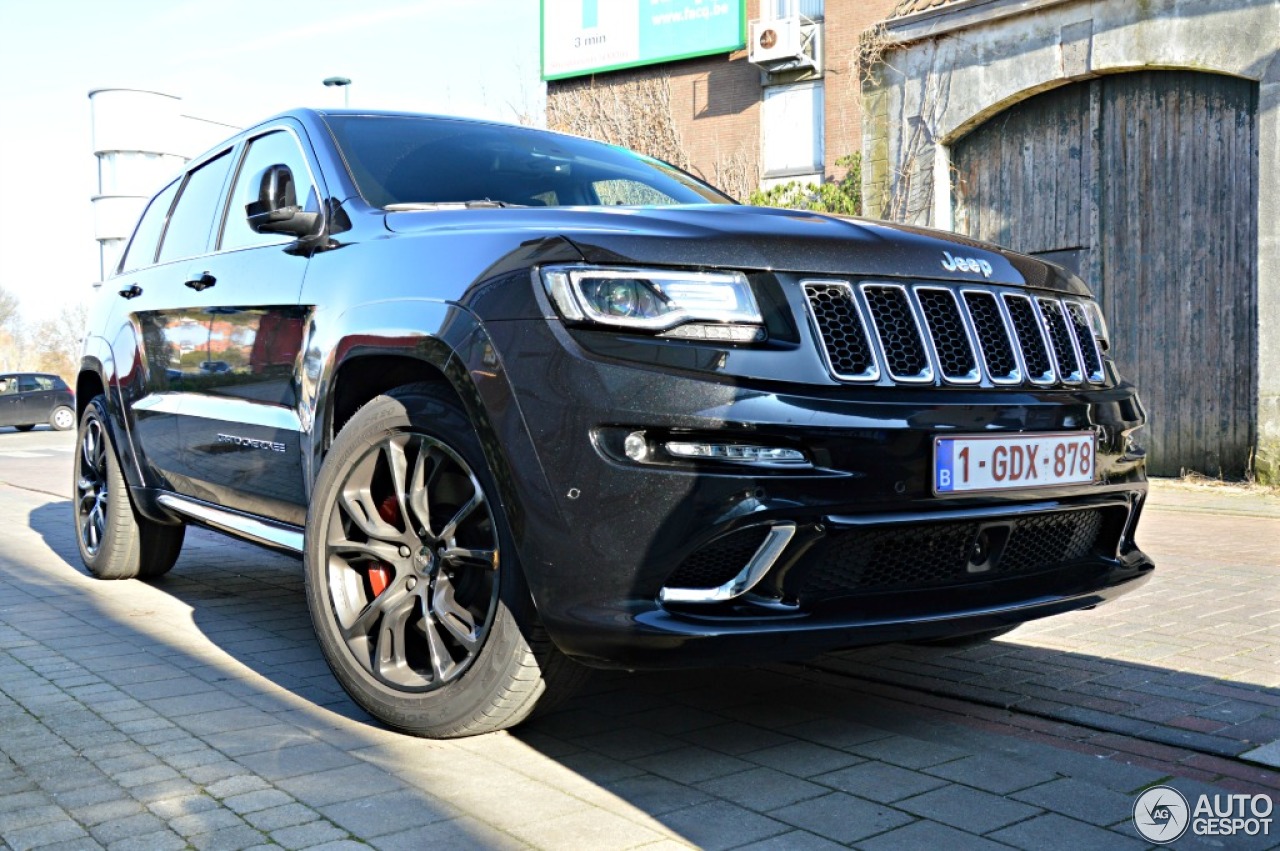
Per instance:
{"type": "Point", "coordinates": [846, 20]}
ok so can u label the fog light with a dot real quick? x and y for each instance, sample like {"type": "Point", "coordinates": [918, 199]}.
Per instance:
{"type": "Point", "coordinates": [735, 452]}
{"type": "Point", "coordinates": [636, 447]}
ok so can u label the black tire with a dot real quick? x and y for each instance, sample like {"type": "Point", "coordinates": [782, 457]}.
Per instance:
{"type": "Point", "coordinates": [115, 541]}
{"type": "Point", "coordinates": [24, 427]}
{"type": "Point", "coordinates": [62, 418]}
{"type": "Point", "coordinates": [417, 598]}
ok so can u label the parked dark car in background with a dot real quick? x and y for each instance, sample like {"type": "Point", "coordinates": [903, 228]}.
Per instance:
{"type": "Point", "coordinates": [28, 399]}
{"type": "Point", "coordinates": [521, 401]}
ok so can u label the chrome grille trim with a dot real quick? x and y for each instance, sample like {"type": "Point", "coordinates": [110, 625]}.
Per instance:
{"type": "Point", "coordinates": [898, 343]}
{"type": "Point", "coordinates": [1066, 354]}
{"type": "Point", "coordinates": [841, 321]}
{"type": "Point", "coordinates": [1001, 326]}
{"type": "Point", "coordinates": [963, 351]}
{"type": "Point", "coordinates": [881, 332]}
{"type": "Point", "coordinates": [1033, 347]}
{"type": "Point", "coordinates": [780, 534]}
{"type": "Point", "coordinates": [1090, 354]}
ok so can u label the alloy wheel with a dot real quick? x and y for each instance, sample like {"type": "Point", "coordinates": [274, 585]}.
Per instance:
{"type": "Point", "coordinates": [412, 563]}
{"type": "Point", "coordinates": [91, 485]}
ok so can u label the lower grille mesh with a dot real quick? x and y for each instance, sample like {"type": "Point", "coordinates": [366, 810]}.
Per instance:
{"type": "Point", "coordinates": [897, 558]}
{"type": "Point", "coordinates": [714, 564]}
{"type": "Point", "coordinates": [1048, 539]}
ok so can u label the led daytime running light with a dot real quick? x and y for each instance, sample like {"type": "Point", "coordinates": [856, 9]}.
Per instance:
{"type": "Point", "coordinates": [734, 452]}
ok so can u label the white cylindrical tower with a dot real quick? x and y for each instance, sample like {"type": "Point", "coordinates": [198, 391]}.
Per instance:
{"type": "Point", "coordinates": [137, 138]}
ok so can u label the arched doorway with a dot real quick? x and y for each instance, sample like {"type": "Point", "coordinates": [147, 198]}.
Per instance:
{"type": "Point", "coordinates": [1145, 184]}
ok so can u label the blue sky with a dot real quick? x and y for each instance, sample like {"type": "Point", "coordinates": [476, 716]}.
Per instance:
{"type": "Point", "coordinates": [234, 61]}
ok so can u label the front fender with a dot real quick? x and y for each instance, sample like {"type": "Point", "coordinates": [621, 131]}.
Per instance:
{"type": "Point", "coordinates": [452, 342]}
{"type": "Point", "coordinates": [424, 330]}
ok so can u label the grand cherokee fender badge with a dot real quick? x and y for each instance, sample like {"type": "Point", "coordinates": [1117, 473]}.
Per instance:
{"type": "Point", "coordinates": [966, 264]}
{"type": "Point", "coordinates": [250, 443]}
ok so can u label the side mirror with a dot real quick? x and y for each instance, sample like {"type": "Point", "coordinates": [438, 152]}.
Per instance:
{"type": "Point", "coordinates": [277, 210]}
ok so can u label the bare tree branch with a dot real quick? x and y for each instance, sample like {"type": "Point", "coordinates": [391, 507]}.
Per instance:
{"type": "Point", "coordinates": [635, 114]}
{"type": "Point", "coordinates": [8, 307]}
{"type": "Point", "coordinates": [57, 341]}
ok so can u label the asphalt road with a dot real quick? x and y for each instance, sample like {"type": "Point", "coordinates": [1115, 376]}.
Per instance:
{"type": "Point", "coordinates": [196, 711]}
{"type": "Point", "coordinates": [38, 460]}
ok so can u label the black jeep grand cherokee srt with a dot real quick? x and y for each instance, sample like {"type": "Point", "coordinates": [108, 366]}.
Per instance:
{"type": "Point", "coordinates": [518, 398]}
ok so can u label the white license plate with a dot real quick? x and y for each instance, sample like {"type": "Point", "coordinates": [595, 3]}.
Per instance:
{"type": "Point", "coordinates": [1003, 462]}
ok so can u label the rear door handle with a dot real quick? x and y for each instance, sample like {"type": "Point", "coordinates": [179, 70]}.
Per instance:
{"type": "Point", "coordinates": [131, 291]}
{"type": "Point", "coordinates": [202, 283]}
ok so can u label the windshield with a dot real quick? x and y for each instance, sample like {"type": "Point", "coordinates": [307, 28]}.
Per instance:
{"type": "Point", "coordinates": [404, 160]}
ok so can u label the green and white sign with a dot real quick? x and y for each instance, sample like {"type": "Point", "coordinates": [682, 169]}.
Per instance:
{"type": "Point", "coordinates": [581, 37]}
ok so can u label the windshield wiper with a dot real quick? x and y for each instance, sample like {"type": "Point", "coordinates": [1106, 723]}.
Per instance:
{"type": "Point", "coordinates": [483, 203]}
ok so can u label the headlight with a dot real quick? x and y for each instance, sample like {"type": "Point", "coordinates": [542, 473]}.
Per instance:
{"type": "Point", "coordinates": [691, 305]}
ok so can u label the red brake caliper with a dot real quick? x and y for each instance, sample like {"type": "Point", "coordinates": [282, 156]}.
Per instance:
{"type": "Point", "coordinates": [380, 572]}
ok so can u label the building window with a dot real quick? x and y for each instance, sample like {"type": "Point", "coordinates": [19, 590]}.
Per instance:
{"type": "Point", "coordinates": [791, 126]}
{"type": "Point", "coordinates": [812, 9]}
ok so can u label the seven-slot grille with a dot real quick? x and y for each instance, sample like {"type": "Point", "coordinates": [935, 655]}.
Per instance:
{"type": "Point", "coordinates": [914, 333]}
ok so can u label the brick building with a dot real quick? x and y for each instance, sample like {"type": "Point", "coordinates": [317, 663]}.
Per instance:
{"type": "Point", "coordinates": [1137, 144]}
{"type": "Point", "coordinates": [736, 124]}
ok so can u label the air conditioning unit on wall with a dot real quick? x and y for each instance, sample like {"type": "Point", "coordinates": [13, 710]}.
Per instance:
{"type": "Point", "coordinates": [784, 44]}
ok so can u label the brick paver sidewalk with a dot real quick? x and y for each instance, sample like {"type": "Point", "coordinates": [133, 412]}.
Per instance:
{"type": "Point", "coordinates": [1190, 660]}
{"type": "Point", "coordinates": [197, 712]}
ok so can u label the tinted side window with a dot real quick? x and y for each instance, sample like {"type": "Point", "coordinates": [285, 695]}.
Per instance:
{"type": "Point", "coordinates": [27, 383]}
{"type": "Point", "coordinates": [268, 150]}
{"type": "Point", "coordinates": [142, 248]}
{"type": "Point", "coordinates": [189, 226]}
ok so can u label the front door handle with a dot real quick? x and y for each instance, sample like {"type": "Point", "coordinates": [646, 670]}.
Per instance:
{"type": "Point", "coordinates": [202, 283]}
{"type": "Point", "coordinates": [131, 291]}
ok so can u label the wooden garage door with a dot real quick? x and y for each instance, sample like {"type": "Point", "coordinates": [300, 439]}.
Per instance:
{"type": "Point", "coordinates": [1146, 185]}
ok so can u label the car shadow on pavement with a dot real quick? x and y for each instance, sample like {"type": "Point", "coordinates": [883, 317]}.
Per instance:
{"type": "Point", "coordinates": [743, 753]}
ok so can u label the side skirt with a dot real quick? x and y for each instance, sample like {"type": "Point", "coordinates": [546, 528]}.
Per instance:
{"type": "Point", "coordinates": [283, 537]}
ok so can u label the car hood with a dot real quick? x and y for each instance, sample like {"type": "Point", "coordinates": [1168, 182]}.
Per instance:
{"type": "Point", "coordinates": [755, 238]}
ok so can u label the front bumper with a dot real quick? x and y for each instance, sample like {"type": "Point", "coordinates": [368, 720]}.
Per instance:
{"type": "Point", "coordinates": [599, 562]}
{"type": "Point", "coordinates": [661, 638]}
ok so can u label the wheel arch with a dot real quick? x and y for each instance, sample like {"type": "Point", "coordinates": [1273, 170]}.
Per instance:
{"type": "Point", "coordinates": [461, 357]}
{"type": "Point", "coordinates": [89, 383]}
{"type": "Point", "coordinates": [96, 378]}
{"type": "Point", "coordinates": [361, 378]}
